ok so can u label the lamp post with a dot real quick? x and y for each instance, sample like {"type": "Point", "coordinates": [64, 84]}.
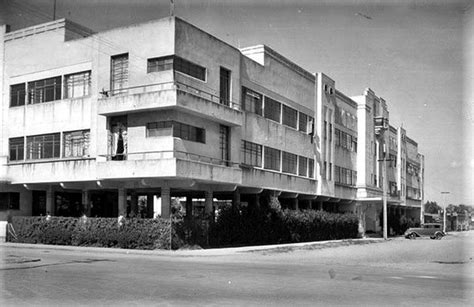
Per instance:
{"type": "Point", "coordinates": [444, 211]}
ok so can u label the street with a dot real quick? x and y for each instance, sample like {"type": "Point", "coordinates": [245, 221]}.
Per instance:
{"type": "Point", "coordinates": [394, 272]}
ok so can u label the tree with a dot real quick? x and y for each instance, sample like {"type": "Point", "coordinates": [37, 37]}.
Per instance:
{"type": "Point", "coordinates": [432, 207]}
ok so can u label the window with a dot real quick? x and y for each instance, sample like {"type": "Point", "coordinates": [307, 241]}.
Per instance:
{"type": "Point", "coordinates": [251, 153]}
{"type": "Point", "coordinates": [272, 109]}
{"type": "Point", "coordinates": [344, 175]}
{"type": "Point", "coordinates": [17, 95]}
{"type": "Point", "coordinates": [354, 144]}
{"type": "Point", "coordinates": [330, 171]}
{"type": "Point", "coordinates": [160, 64]}
{"type": "Point", "coordinates": [330, 132]}
{"type": "Point", "coordinates": [289, 163]}
{"type": "Point", "coordinates": [325, 170]}
{"type": "Point", "coordinates": [176, 129]}
{"type": "Point", "coordinates": [76, 143]}
{"type": "Point", "coordinates": [178, 64]}
{"type": "Point", "coordinates": [119, 74]}
{"type": "Point", "coordinates": [164, 128]}
{"type": "Point", "coordinates": [272, 159]}
{"type": "Point", "coordinates": [325, 130]}
{"type": "Point", "coordinates": [77, 85]}
{"type": "Point", "coordinates": [303, 123]}
{"type": "Point", "coordinates": [17, 147]}
{"type": "Point", "coordinates": [311, 168]}
{"type": "Point", "coordinates": [393, 188]}
{"type": "Point", "coordinates": [303, 166]}
{"type": "Point", "coordinates": [43, 146]}
{"type": "Point", "coordinates": [290, 117]}
{"type": "Point", "coordinates": [44, 90]}
{"type": "Point", "coordinates": [252, 101]}
{"type": "Point", "coordinates": [9, 201]}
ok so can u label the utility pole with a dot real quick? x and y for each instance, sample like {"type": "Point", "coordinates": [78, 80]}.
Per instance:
{"type": "Point", "coordinates": [384, 193]}
{"type": "Point", "coordinates": [171, 7]}
{"type": "Point", "coordinates": [444, 210]}
{"type": "Point", "coordinates": [54, 10]}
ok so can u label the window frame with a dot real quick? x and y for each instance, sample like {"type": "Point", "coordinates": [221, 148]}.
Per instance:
{"type": "Point", "coordinates": [84, 81]}
{"type": "Point", "coordinates": [272, 109]}
{"type": "Point", "coordinates": [54, 144]}
{"type": "Point", "coordinates": [20, 94]}
{"type": "Point", "coordinates": [272, 159]}
{"type": "Point", "coordinates": [17, 147]}
{"type": "Point", "coordinates": [289, 163]}
{"type": "Point", "coordinates": [253, 152]}
{"type": "Point", "coordinates": [38, 90]}
{"type": "Point", "coordinates": [289, 116]}
{"type": "Point", "coordinates": [84, 143]}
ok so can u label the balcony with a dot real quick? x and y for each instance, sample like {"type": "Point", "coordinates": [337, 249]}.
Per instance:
{"type": "Point", "coordinates": [167, 164]}
{"type": "Point", "coordinates": [57, 170]}
{"type": "Point", "coordinates": [171, 94]}
{"type": "Point", "coordinates": [256, 177]}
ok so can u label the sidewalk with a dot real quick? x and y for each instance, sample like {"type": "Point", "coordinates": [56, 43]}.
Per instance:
{"type": "Point", "coordinates": [196, 252]}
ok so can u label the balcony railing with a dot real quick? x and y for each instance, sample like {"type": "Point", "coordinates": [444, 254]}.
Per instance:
{"type": "Point", "coordinates": [169, 154]}
{"type": "Point", "coordinates": [172, 85]}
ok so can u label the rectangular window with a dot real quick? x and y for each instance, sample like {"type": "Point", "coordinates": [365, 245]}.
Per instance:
{"type": "Point", "coordinates": [290, 117]}
{"type": "Point", "coordinates": [17, 95]}
{"type": "Point", "coordinates": [303, 123]}
{"type": "Point", "coordinates": [330, 171]}
{"type": "Point", "coordinates": [272, 159]}
{"type": "Point", "coordinates": [119, 74]}
{"type": "Point", "coordinates": [176, 129]}
{"type": "Point", "coordinates": [337, 173]}
{"type": "Point", "coordinates": [9, 201]}
{"type": "Point", "coordinates": [44, 146]}
{"type": "Point", "coordinates": [44, 90]}
{"type": "Point", "coordinates": [272, 109]}
{"type": "Point", "coordinates": [354, 144]}
{"type": "Point", "coordinates": [311, 168]}
{"type": "Point", "coordinates": [17, 149]}
{"type": "Point", "coordinates": [325, 170]}
{"type": "Point", "coordinates": [325, 131]}
{"type": "Point", "coordinates": [76, 143]}
{"type": "Point", "coordinates": [251, 153]}
{"type": "Point", "coordinates": [252, 101]}
{"type": "Point", "coordinates": [77, 85]}
{"type": "Point", "coordinates": [289, 162]}
{"type": "Point", "coordinates": [330, 132]}
{"type": "Point", "coordinates": [303, 166]}
{"type": "Point", "coordinates": [164, 128]}
{"type": "Point", "coordinates": [176, 63]}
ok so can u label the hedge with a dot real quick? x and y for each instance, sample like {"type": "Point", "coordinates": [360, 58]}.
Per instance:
{"type": "Point", "coordinates": [267, 226]}
{"type": "Point", "coordinates": [101, 232]}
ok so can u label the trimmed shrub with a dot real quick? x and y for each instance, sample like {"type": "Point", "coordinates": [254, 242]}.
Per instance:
{"type": "Point", "coordinates": [101, 232]}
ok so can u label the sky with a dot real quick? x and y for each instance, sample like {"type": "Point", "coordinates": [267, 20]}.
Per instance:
{"type": "Point", "coordinates": [416, 54]}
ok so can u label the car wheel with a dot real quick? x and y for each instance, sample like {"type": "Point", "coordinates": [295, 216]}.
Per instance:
{"type": "Point", "coordinates": [412, 236]}
{"type": "Point", "coordinates": [438, 236]}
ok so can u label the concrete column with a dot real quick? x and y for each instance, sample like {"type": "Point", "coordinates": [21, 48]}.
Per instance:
{"type": "Point", "coordinates": [297, 204]}
{"type": "Point", "coordinates": [189, 207]}
{"type": "Point", "coordinates": [86, 203]}
{"type": "Point", "coordinates": [149, 205]}
{"type": "Point", "coordinates": [320, 205]}
{"type": "Point", "coordinates": [134, 204]}
{"type": "Point", "coordinates": [165, 202]}
{"type": "Point", "coordinates": [236, 199]}
{"type": "Point", "coordinates": [122, 202]}
{"type": "Point", "coordinates": [50, 201]}
{"type": "Point", "coordinates": [208, 202]}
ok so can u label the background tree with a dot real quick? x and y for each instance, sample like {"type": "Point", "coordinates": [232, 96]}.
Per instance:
{"type": "Point", "coordinates": [432, 207]}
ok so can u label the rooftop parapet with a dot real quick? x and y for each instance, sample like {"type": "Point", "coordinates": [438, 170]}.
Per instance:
{"type": "Point", "coordinates": [72, 30]}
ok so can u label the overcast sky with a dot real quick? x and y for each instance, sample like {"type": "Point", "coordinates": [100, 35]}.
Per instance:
{"type": "Point", "coordinates": [409, 52]}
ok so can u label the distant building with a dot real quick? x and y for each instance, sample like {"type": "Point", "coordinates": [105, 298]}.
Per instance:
{"type": "Point", "coordinates": [93, 121]}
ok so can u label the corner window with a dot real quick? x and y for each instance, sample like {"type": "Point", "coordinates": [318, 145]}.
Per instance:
{"type": "Point", "coordinates": [44, 146]}
{"type": "Point", "coordinates": [17, 95]}
{"type": "Point", "coordinates": [178, 130]}
{"type": "Point", "coordinates": [76, 143]}
{"type": "Point", "coordinates": [290, 117]}
{"type": "Point", "coordinates": [252, 101]}
{"type": "Point", "coordinates": [9, 201]}
{"type": "Point", "coordinates": [77, 85]}
{"type": "Point", "coordinates": [17, 149]}
{"type": "Point", "coordinates": [178, 64]}
{"type": "Point", "coordinates": [44, 90]}
{"type": "Point", "coordinates": [272, 109]}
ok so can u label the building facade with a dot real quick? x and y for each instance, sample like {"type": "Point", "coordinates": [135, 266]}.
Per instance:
{"type": "Point", "coordinates": [95, 123]}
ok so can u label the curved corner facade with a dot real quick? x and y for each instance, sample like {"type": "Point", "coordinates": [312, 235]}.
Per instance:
{"type": "Point", "coordinates": [102, 123]}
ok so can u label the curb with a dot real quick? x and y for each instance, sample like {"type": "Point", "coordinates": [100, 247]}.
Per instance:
{"type": "Point", "coordinates": [193, 253]}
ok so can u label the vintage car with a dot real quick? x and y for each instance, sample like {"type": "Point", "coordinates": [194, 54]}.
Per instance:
{"type": "Point", "coordinates": [432, 230]}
